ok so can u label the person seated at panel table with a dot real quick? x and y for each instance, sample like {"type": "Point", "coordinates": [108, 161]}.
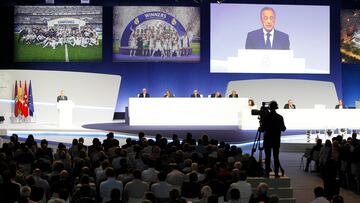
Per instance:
{"type": "Point", "coordinates": [144, 93]}
{"type": "Point", "coordinates": [290, 105]}
{"type": "Point", "coordinates": [340, 105]}
{"type": "Point", "coordinates": [251, 104]}
{"type": "Point", "coordinates": [233, 94]}
{"type": "Point", "coordinates": [168, 94]}
{"type": "Point", "coordinates": [195, 94]}
{"type": "Point", "coordinates": [215, 95]}
{"type": "Point", "coordinates": [62, 96]}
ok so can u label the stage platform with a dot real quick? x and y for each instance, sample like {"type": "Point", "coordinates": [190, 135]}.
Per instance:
{"type": "Point", "coordinates": [292, 140]}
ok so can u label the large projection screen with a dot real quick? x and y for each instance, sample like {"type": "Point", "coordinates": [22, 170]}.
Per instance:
{"type": "Point", "coordinates": [58, 33]}
{"type": "Point", "coordinates": [156, 33]}
{"type": "Point", "coordinates": [299, 40]}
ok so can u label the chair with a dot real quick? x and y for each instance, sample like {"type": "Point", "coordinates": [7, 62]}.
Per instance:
{"type": "Point", "coordinates": [306, 155]}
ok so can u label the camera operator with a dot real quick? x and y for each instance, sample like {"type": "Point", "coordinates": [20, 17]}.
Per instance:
{"type": "Point", "coordinates": [272, 125]}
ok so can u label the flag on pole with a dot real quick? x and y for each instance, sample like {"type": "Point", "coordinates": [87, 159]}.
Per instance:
{"type": "Point", "coordinates": [31, 102]}
{"type": "Point", "coordinates": [25, 104]}
{"type": "Point", "coordinates": [16, 112]}
{"type": "Point", "coordinates": [20, 100]}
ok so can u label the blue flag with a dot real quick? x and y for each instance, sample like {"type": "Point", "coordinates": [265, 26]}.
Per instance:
{"type": "Point", "coordinates": [31, 101]}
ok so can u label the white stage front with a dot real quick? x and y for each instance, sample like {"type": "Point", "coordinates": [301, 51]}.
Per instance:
{"type": "Point", "coordinates": [231, 112]}
{"type": "Point", "coordinates": [185, 111]}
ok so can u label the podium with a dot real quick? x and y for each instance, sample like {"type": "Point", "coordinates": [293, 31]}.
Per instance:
{"type": "Point", "coordinates": [65, 108]}
{"type": "Point", "coordinates": [260, 61]}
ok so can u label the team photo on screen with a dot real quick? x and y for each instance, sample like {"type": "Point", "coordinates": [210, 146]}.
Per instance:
{"type": "Point", "coordinates": [260, 38]}
{"type": "Point", "coordinates": [150, 33]}
{"type": "Point", "coordinates": [58, 33]}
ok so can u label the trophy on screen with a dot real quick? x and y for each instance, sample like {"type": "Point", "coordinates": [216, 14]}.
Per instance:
{"type": "Point", "coordinates": [308, 134]}
{"type": "Point", "coordinates": [329, 132]}
{"type": "Point", "coordinates": [343, 131]}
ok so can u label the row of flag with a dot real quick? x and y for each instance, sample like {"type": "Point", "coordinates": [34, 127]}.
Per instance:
{"type": "Point", "coordinates": [24, 103]}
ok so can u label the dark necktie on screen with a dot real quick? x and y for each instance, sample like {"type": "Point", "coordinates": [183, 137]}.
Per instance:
{"type": "Point", "coordinates": [267, 43]}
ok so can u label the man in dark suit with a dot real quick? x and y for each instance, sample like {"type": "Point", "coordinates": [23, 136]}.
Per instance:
{"type": "Point", "coordinates": [290, 105]}
{"type": "Point", "coordinates": [267, 37]}
{"type": "Point", "coordinates": [195, 94]}
{"type": "Point", "coordinates": [340, 105]}
{"type": "Point", "coordinates": [62, 96]}
{"type": "Point", "coordinates": [215, 95]}
{"type": "Point", "coordinates": [233, 94]}
{"type": "Point", "coordinates": [144, 93]}
{"type": "Point", "coordinates": [272, 125]}
{"type": "Point", "coordinates": [168, 94]}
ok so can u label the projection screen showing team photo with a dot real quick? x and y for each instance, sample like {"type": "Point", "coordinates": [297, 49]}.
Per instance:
{"type": "Point", "coordinates": [58, 33]}
{"type": "Point", "coordinates": [272, 38]}
{"type": "Point", "coordinates": [350, 36]}
{"type": "Point", "coordinates": [156, 33]}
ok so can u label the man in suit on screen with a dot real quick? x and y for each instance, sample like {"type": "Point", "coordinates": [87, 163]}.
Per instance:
{"type": "Point", "coordinates": [62, 96]}
{"type": "Point", "coordinates": [267, 37]}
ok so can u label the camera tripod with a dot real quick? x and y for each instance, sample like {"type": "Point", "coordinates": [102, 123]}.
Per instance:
{"type": "Point", "coordinates": [256, 144]}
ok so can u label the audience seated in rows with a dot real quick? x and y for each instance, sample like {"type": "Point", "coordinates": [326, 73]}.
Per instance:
{"type": "Point", "coordinates": [155, 170]}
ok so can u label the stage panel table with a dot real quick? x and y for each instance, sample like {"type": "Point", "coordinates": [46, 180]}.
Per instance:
{"type": "Point", "coordinates": [297, 119]}
{"type": "Point", "coordinates": [185, 111]}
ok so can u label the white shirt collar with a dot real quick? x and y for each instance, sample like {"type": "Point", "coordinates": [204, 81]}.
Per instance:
{"type": "Point", "coordinates": [271, 35]}
{"type": "Point", "coordinates": [271, 32]}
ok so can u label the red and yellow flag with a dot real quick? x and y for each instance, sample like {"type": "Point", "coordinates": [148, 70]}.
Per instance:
{"type": "Point", "coordinates": [20, 100]}
{"type": "Point", "coordinates": [25, 103]}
